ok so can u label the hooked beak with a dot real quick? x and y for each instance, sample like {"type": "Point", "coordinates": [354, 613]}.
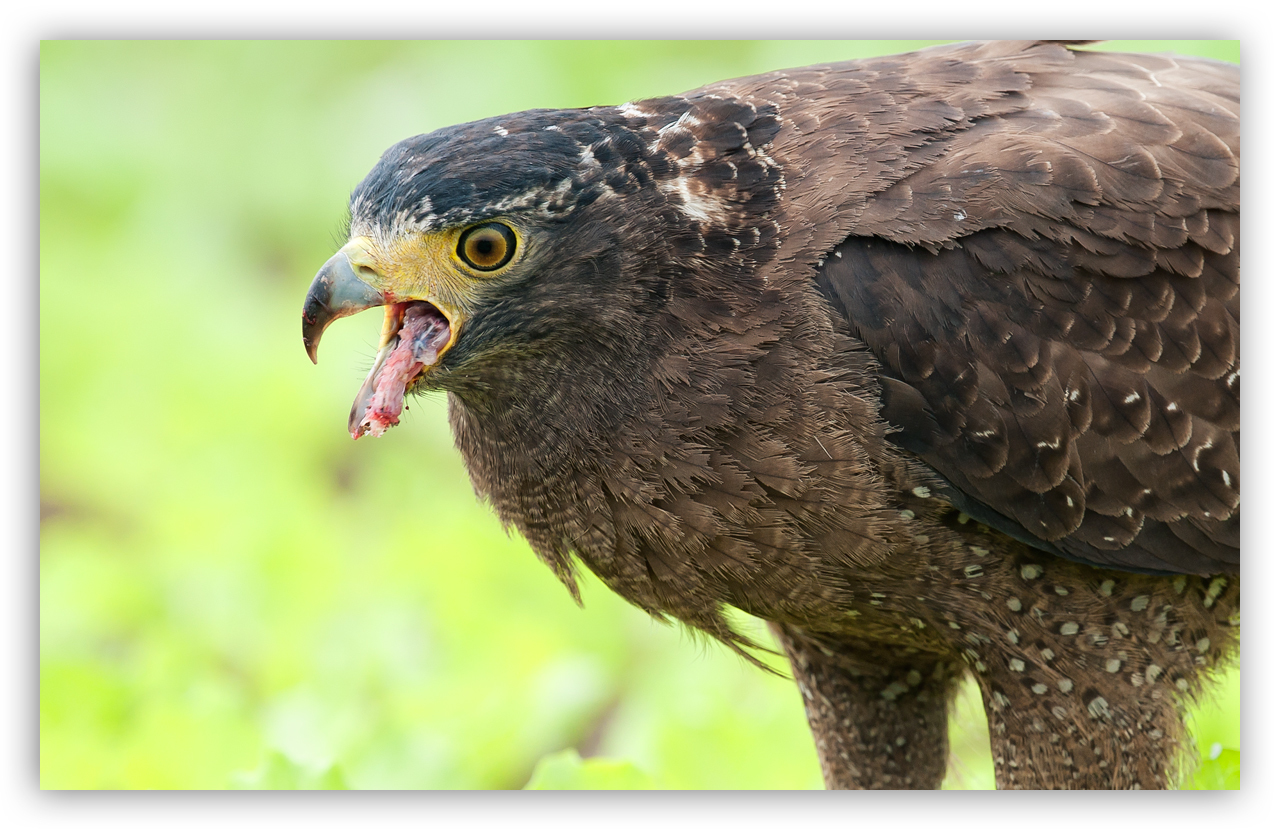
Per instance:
{"type": "Point", "coordinates": [337, 291]}
{"type": "Point", "coordinates": [416, 330]}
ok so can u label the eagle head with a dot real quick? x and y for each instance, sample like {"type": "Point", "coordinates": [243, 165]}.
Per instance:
{"type": "Point", "coordinates": [531, 259]}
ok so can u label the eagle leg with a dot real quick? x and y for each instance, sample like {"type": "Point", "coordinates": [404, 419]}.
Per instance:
{"type": "Point", "coordinates": [878, 716]}
{"type": "Point", "coordinates": [1133, 744]}
{"type": "Point", "coordinates": [1100, 704]}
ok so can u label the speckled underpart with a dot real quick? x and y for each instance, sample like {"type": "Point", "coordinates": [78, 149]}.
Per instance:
{"type": "Point", "coordinates": [877, 726]}
{"type": "Point", "coordinates": [931, 361]}
{"type": "Point", "coordinates": [1085, 673]}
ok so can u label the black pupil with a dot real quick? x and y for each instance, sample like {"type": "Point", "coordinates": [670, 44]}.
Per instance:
{"type": "Point", "coordinates": [487, 247]}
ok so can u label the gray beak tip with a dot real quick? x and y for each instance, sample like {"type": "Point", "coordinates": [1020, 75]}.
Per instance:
{"type": "Point", "coordinates": [335, 292]}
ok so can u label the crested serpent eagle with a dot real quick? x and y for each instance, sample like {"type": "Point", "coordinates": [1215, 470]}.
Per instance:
{"type": "Point", "coordinates": [931, 361]}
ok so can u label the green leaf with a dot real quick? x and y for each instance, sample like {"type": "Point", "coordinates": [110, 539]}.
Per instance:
{"type": "Point", "coordinates": [566, 770]}
{"type": "Point", "coordinates": [279, 772]}
{"type": "Point", "coordinates": [1220, 770]}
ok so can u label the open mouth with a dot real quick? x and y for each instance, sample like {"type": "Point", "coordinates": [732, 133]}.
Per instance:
{"type": "Point", "coordinates": [413, 336]}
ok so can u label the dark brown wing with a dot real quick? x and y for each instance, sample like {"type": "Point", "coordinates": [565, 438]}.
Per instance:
{"type": "Point", "coordinates": [1051, 287]}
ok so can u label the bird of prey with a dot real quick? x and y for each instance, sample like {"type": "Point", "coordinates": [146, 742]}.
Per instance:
{"type": "Point", "coordinates": [930, 361]}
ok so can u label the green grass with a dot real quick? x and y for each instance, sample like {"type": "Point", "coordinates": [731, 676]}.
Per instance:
{"type": "Point", "coordinates": [232, 593]}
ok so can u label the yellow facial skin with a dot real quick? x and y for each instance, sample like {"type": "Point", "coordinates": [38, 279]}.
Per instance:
{"type": "Point", "coordinates": [401, 268]}
{"type": "Point", "coordinates": [423, 267]}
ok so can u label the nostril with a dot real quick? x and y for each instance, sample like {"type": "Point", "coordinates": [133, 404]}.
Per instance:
{"type": "Point", "coordinates": [365, 273]}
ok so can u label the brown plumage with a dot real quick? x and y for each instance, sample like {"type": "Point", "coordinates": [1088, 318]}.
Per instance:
{"type": "Point", "coordinates": [932, 361]}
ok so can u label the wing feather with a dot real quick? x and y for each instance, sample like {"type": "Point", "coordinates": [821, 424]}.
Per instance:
{"type": "Point", "coordinates": [1049, 277]}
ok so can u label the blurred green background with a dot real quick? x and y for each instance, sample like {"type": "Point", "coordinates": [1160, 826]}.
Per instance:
{"type": "Point", "coordinates": [235, 594]}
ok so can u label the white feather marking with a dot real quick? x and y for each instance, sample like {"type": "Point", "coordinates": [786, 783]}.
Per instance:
{"type": "Point", "coordinates": [694, 206]}
{"type": "Point", "coordinates": [1195, 456]}
{"type": "Point", "coordinates": [631, 110]}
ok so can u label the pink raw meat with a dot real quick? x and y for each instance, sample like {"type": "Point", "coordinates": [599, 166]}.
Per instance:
{"type": "Point", "coordinates": [424, 332]}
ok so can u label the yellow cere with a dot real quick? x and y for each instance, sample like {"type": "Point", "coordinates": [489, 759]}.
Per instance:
{"type": "Point", "coordinates": [422, 267]}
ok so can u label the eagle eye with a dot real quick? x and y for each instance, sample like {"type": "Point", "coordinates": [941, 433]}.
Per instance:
{"type": "Point", "coordinates": [487, 247]}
